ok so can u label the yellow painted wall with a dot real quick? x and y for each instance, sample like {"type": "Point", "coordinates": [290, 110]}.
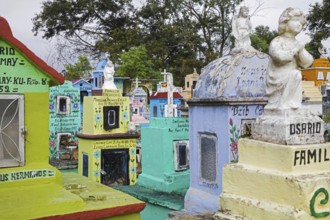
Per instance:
{"type": "Point", "coordinates": [93, 149]}
{"type": "Point", "coordinates": [36, 150]}
{"type": "Point", "coordinates": [36, 122]}
{"type": "Point", "coordinates": [93, 112]}
{"type": "Point", "coordinates": [319, 65]}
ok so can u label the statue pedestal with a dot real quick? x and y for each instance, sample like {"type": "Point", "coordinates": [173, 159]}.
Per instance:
{"type": "Point", "coordinates": [287, 126]}
{"type": "Point", "coordinates": [273, 181]}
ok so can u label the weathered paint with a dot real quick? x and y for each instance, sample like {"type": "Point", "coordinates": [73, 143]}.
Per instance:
{"type": "Point", "coordinates": [158, 204]}
{"type": "Point", "coordinates": [35, 190]}
{"type": "Point", "coordinates": [93, 148]}
{"type": "Point", "coordinates": [63, 123]}
{"type": "Point", "coordinates": [229, 94]}
{"type": "Point", "coordinates": [154, 212]}
{"type": "Point", "coordinates": [227, 130]}
{"type": "Point", "coordinates": [243, 75]}
{"type": "Point", "coordinates": [14, 67]}
{"type": "Point", "coordinates": [80, 198]}
{"type": "Point", "coordinates": [319, 72]}
{"type": "Point", "coordinates": [158, 104]}
{"type": "Point", "coordinates": [158, 160]}
{"type": "Point", "coordinates": [93, 112]}
{"type": "Point", "coordinates": [301, 187]}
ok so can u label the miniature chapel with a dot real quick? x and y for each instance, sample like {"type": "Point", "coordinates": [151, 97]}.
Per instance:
{"type": "Point", "coordinates": [30, 187]}
{"type": "Point", "coordinates": [229, 95]}
{"type": "Point", "coordinates": [283, 170]}
{"type": "Point", "coordinates": [107, 146]}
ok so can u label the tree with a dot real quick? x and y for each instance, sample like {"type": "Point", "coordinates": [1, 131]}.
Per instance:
{"type": "Point", "coordinates": [213, 20]}
{"type": "Point", "coordinates": [318, 25]}
{"type": "Point", "coordinates": [179, 35]}
{"type": "Point", "coordinates": [136, 63]}
{"type": "Point", "coordinates": [88, 25]}
{"type": "Point", "coordinates": [80, 69]}
{"type": "Point", "coordinates": [261, 38]}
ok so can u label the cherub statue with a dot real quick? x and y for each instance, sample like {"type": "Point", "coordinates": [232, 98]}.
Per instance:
{"type": "Point", "coordinates": [241, 30]}
{"type": "Point", "coordinates": [283, 85]}
{"type": "Point", "coordinates": [108, 73]}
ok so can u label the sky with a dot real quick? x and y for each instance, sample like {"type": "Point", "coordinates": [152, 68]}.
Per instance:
{"type": "Point", "coordinates": [19, 14]}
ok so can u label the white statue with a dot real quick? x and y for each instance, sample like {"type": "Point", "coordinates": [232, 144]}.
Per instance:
{"type": "Point", "coordinates": [108, 73]}
{"type": "Point", "coordinates": [284, 86]}
{"type": "Point", "coordinates": [241, 30]}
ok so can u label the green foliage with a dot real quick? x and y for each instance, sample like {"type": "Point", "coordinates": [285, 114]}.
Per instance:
{"type": "Point", "coordinates": [78, 70]}
{"type": "Point", "coordinates": [326, 116]}
{"type": "Point", "coordinates": [318, 25]}
{"type": "Point", "coordinates": [261, 38]}
{"type": "Point", "coordinates": [179, 35]}
{"type": "Point", "coordinates": [136, 64]}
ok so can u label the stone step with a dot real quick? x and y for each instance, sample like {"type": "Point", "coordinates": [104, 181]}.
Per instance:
{"type": "Point", "coordinates": [289, 190]}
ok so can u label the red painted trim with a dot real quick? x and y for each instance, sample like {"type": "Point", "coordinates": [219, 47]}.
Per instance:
{"type": "Point", "coordinates": [97, 214]}
{"type": "Point", "coordinates": [163, 95]}
{"type": "Point", "coordinates": [6, 35]}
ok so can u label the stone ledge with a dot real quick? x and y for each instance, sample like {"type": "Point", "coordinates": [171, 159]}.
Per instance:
{"type": "Point", "coordinates": [289, 127]}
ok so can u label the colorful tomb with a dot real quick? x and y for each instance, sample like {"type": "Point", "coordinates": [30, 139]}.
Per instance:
{"type": "Point", "coordinates": [165, 167]}
{"type": "Point", "coordinates": [190, 82]}
{"type": "Point", "coordinates": [24, 155]}
{"type": "Point", "coordinates": [158, 101]}
{"type": "Point", "coordinates": [121, 83]}
{"type": "Point", "coordinates": [165, 155]}
{"type": "Point", "coordinates": [319, 72]}
{"type": "Point", "coordinates": [64, 124]}
{"type": "Point", "coordinates": [139, 105]}
{"type": "Point", "coordinates": [107, 150]}
{"type": "Point", "coordinates": [219, 114]}
{"type": "Point", "coordinates": [85, 88]}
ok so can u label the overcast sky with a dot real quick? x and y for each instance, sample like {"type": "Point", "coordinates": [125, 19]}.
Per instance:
{"type": "Point", "coordinates": [19, 14]}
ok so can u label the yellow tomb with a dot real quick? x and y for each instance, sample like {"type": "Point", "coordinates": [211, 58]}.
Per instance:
{"type": "Point", "coordinates": [107, 150]}
{"type": "Point", "coordinates": [30, 188]}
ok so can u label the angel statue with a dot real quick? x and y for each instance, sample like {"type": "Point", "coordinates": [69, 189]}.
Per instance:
{"type": "Point", "coordinates": [108, 73]}
{"type": "Point", "coordinates": [241, 30]}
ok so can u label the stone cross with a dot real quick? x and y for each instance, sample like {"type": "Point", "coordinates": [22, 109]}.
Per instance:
{"type": "Point", "coordinates": [168, 78]}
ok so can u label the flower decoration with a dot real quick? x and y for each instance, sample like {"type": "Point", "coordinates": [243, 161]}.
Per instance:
{"type": "Point", "coordinates": [75, 106]}
{"type": "Point", "coordinates": [98, 118]}
{"type": "Point", "coordinates": [125, 115]}
{"type": "Point", "coordinates": [96, 173]}
{"type": "Point", "coordinates": [133, 170]}
{"type": "Point", "coordinates": [132, 151]}
{"type": "Point", "coordinates": [235, 135]}
{"type": "Point", "coordinates": [51, 106]}
{"type": "Point", "coordinates": [97, 154]}
{"type": "Point", "coordinates": [52, 143]}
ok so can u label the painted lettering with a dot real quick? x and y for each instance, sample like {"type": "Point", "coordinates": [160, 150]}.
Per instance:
{"type": "Point", "coordinates": [8, 61]}
{"type": "Point", "coordinates": [305, 128]}
{"type": "Point", "coordinates": [310, 156]}
{"type": "Point", "coordinates": [7, 51]}
{"type": "Point", "coordinates": [18, 80]}
{"type": "Point", "coordinates": [240, 110]}
{"type": "Point", "coordinates": [26, 174]}
{"type": "Point", "coordinates": [5, 80]}
{"type": "Point", "coordinates": [259, 110]}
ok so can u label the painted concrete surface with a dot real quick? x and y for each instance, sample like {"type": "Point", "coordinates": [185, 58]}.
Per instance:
{"type": "Point", "coordinates": [229, 96]}
{"type": "Point", "coordinates": [78, 199]}
{"type": "Point", "coordinates": [64, 125]}
{"type": "Point", "coordinates": [158, 162]}
{"type": "Point", "coordinates": [32, 188]}
{"type": "Point", "coordinates": [158, 204]}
